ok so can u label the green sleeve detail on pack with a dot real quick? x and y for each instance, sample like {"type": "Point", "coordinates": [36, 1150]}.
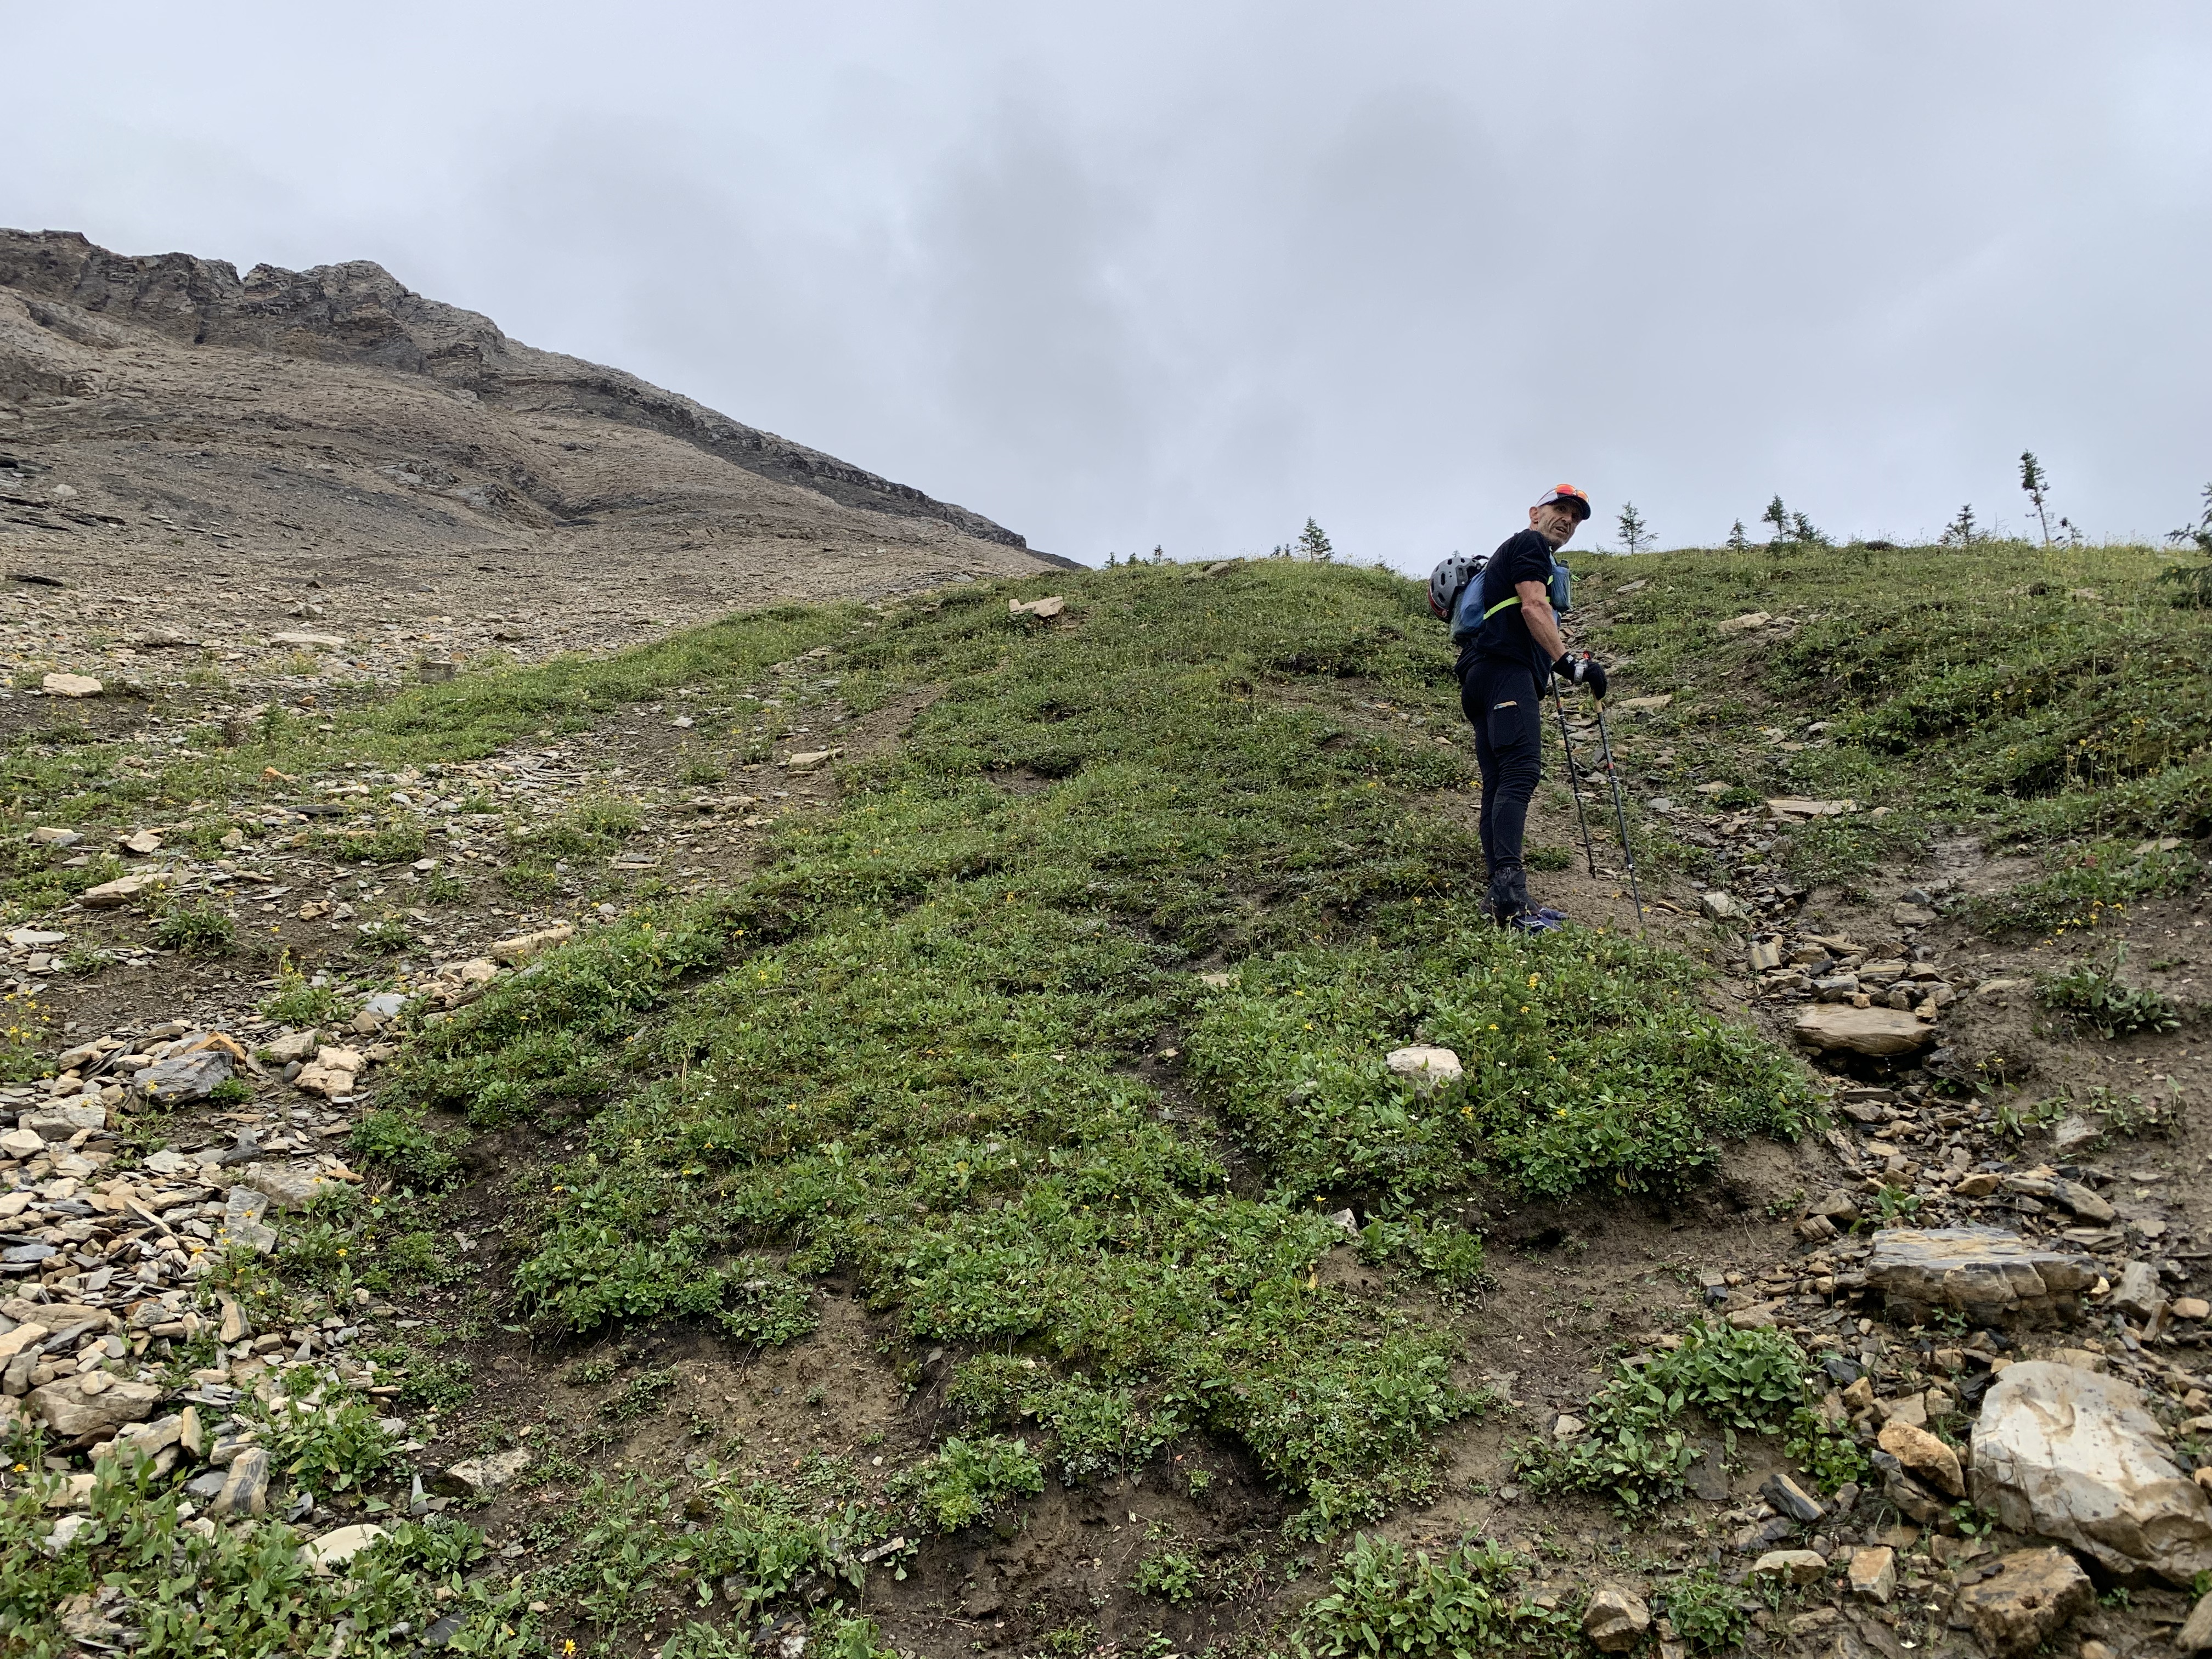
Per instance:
{"type": "Point", "coordinates": [1499, 606]}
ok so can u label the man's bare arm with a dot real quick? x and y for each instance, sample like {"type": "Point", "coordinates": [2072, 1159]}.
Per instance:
{"type": "Point", "coordinates": [1543, 621]}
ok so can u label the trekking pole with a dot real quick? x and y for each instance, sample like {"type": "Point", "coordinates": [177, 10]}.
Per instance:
{"type": "Point", "coordinates": [1620, 813]}
{"type": "Point", "coordinates": [1574, 783]}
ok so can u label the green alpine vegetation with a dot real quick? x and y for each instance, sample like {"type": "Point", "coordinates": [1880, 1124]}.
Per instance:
{"type": "Point", "coordinates": [951, 1043]}
{"type": "Point", "coordinates": [2044, 696]}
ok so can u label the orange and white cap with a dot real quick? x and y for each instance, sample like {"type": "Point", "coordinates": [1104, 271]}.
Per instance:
{"type": "Point", "coordinates": [1574, 499]}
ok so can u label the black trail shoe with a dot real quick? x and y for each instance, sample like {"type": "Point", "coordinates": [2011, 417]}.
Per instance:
{"type": "Point", "coordinates": [1509, 894]}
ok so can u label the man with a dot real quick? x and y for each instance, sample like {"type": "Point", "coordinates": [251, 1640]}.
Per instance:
{"type": "Point", "coordinates": [1508, 632]}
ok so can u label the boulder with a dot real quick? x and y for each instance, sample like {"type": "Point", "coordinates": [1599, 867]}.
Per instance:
{"type": "Point", "coordinates": [1984, 1273]}
{"type": "Point", "coordinates": [2075, 1456]}
{"type": "Point", "coordinates": [1428, 1068]}
{"type": "Point", "coordinates": [186, 1077]}
{"type": "Point", "coordinates": [339, 1546]}
{"type": "Point", "coordinates": [1615, 1620]}
{"type": "Point", "coordinates": [2073, 1131]}
{"type": "Point", "coordinates": [2024, 1602]}
{"type": "Point", "coordinates": [1044, 609]}
{"type": "Point", "coordinates": [1830, 1026]}
{"type": "Point", "coordinates": [330, 1081]}
{"type": "Point", "coordinates": [379, 1012]}
{"type": "Point", "coordinates": [71, 685]}
{"type": "Point", "coordinates": [479, 1476]}
{"type": "Point", "coordinates": [1924, 1455]}
{"type": "Point", "coordinates": [75, 1410]}
{"type": "Point", "coordinates": [310, 642]}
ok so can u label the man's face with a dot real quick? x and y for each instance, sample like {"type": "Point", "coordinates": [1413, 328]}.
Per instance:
{"type": "Point", "coordinates": [1555, 523]}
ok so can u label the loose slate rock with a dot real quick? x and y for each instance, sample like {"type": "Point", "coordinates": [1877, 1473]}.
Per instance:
{"type": "Point", "coordinates": [1990, 1275]}
{"type": "Point", "coordinates": [109, 894]}
{"type": "Point", "coordinates": [1924, 1455]}
{"type": "Point", "coordinates": [186, 1077]}
{"type": "Point", "coordinates": [2073, 1455]}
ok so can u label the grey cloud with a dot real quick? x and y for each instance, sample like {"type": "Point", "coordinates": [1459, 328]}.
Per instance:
{"type": "Point", "coordinates": [1185, 275]}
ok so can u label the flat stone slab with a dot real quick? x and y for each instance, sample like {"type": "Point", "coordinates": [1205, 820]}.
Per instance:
{"type": "Point", "coordinates": [1829, 1026]}
{"type": "Point", "coordinates": [1990, 1275]}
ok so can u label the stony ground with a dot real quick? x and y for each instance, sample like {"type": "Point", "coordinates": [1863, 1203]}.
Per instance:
{"type": "Point", "coordinates": [128, 1184]}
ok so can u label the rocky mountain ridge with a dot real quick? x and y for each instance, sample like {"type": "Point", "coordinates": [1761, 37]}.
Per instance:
{"type": "Point", "coordinates": [358, 313]}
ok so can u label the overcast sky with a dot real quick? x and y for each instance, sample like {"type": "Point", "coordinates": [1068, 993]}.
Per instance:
{"type": "Point", "coordinates": [1185, 274]}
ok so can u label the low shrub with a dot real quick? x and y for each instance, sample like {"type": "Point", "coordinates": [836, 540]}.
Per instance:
{"type": "Point", "coordinates": [204, 929]}
{"type": "Point", "coordinates": [641, 1396]}
{"type": "Point", "coordinates": [2095, 884]}
{"type": "Point", "coordinates": [1171, 1575]}
{"type": "Point", "coordinates": [241, 1590]}
{"type": "Point", "coordinates": [397, 843]}
{"type": "Point", "coordinates": [386, 937]}
{"type": "Point", "coordinates": [400, 1142]}
{"type": "Point", "coordinates": [588, 1275]}
{"type": "Point", "coordinates": [964, 1481]}
{"type": "Point", "coordinates": [1386, 1601]}
{"type": "Point", "coordinates": [1634, 1448]}
{"type": "Point", "coordinates": [2091, 994]}
{"type": "Point", "coordinates": [1450, 1256]}
{"type": "Point", "coordinates": [1589, 1062]}
{"type": "Point", "coordinates": [297, 1002]}
{"type": "Point", "coordinates": [335, 1446]}
{"type": "Point", "coordinates": [1708, 1614]}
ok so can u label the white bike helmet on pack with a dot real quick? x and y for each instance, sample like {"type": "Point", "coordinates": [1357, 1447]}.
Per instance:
{"type": "Point", "coordinates": [1449, 580]}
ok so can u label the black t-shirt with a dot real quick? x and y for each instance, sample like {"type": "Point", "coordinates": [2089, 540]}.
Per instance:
{"type": "Point", "coordinates": [1503, 632]}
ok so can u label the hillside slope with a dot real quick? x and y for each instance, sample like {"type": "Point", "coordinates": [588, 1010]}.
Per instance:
{"type": "Point", "coordinates": [172, 429]}
{"type": "Point", "coordinates": [883, 1128]}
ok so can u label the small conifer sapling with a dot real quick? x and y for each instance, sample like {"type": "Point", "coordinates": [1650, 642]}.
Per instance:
{"type": "Point", "coordinates": [1778, 516]}
{"type": "Point", "coordinates": [2036, 482]}
{"type": "Point", "coordinates": [1635, 534]}
{"type": "Point", "coordinates": [1737, 541]}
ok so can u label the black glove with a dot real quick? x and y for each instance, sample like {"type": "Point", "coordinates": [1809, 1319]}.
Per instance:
{"type": "Point", "coordinates": [1582, 671]}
